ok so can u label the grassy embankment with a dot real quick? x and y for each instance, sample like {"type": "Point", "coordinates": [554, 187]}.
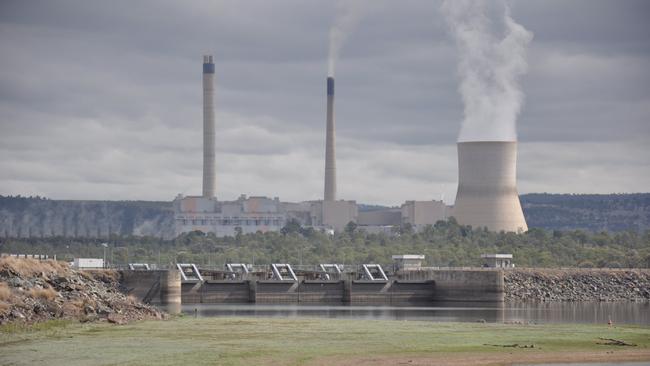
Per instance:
{"type": "Point", "coordinates": [247, 341]}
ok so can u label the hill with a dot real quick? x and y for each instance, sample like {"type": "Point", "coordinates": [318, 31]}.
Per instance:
{"type": "Point", "coordinates": [590, 212]}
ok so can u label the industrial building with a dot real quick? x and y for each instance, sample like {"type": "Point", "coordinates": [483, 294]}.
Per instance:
{"type": "Point", "coordinates": [207, 214]}
{"type": "Point", "coordinates": [419, 214]}
{"type": "Point", "coordinates": [487, 193]}
{"type": "Point", "coordinates": [223, 218]}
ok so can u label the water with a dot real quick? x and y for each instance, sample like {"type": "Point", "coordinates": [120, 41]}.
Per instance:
{"type": "Point", "coordinates": [577, 312]}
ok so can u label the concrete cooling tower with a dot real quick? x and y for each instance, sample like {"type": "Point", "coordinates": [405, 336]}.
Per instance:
{"type": "Point", "coordinates": [487, 186]}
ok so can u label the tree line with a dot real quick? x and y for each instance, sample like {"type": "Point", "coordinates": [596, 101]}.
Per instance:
{"type": "Point", "coordinates": [444, 244]}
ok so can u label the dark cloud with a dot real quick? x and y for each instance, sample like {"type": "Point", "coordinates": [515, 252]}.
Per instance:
{"type": "Point", "coordinates": [103, 99]}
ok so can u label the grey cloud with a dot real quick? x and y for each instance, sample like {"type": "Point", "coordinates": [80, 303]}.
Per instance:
{"type": "Point", "coordinates": [103, 99]}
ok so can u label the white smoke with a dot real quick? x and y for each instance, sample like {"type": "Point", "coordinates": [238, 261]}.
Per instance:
{"type": "Point", "coordinates": [348, 15]}
{"type": "Point", "coordinates": [492, 56]}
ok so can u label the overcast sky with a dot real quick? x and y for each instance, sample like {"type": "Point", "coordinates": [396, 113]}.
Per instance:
{"type": "Point", "coordinates": [102, 99]}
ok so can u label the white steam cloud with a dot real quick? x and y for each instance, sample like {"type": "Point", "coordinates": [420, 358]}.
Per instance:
{"type": "Point", "coordinates": [348, 15]}
{"type": "Point", "coordinates": [492, 56]}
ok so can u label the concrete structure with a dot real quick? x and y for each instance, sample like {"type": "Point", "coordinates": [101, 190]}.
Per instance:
{"type": "Point", "coordinates": [330, 145]}
{"type": "Point", "coordinates": [487, 186]}
{"type": "Point", "coordinates": [88, 263]}
{"type": "Point", "coordinates": [419, 214]}
{"type": "Point", "coordinates": [157, 287]}
{"type": "Point", "coordinates": [337, 214]}
{"type": "Point", "coordinates": [480, 285]}
{"type": "Point", "coordinates": [225, 218]}
{"type": "Point", "coordinates": [424, 286]}
{"type": "Point", "coordinates": [252, 214]}
{"type": "Point", "coordinates": [209, 173]}
{"type": "Point", "coordinates": [497, 260]}
{"type": "Point", "coordinates": [408, 262]}
{"type": "Point", "coordinates": [387, 217]}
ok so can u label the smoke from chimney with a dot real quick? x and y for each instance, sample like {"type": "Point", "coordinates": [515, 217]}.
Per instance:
{"type": "Point", "coordinates": [348, 15]}
{"type": "Point", "coordinates": [492, 56]}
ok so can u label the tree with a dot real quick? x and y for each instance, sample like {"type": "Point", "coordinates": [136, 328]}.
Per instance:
{"type": "Point", "coordinates": [406, 229]}
{"type": "Point", "coordinates": [350, 228]}
{"type": "Point", "coordinates": [238, 234]}
{"type": "Point", "coordinates": [291, 227]}
{"type": "Point", "coordinates": [445, 243]}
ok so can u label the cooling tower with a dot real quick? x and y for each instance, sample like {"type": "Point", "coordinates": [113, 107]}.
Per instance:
{"type": "Point", "coordinates": [208, 127]}
{"type": "Point", "coordinates": [487, 186]}
{"type": "Point", "coordinates": [330, 140]}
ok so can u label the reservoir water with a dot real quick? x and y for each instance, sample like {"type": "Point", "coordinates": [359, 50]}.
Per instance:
{"type": "Point", "coordinates": [574, 312]}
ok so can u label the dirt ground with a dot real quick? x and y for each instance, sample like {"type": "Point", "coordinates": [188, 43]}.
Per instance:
{"type": "Point", "coordinates": [481, 359]}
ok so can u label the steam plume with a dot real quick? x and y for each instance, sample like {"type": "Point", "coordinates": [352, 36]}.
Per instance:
{"type": "Point", "coordinates": [348, 15]}
{"type": "Point", "coordinates": [492, 56]}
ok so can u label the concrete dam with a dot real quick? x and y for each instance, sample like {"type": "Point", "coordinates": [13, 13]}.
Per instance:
{"type": "Point", "coordinates": [425, 286]}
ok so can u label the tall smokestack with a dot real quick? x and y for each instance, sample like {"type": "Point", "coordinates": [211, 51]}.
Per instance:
{"type": "Point", "coordinates": [330, 141]}
{"type": "Point", "coordinates": [208, 127]}
{"type": "Point", "coordinates": [487, 186]}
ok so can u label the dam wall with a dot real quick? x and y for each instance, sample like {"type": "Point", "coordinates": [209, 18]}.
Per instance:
{"type": "Point", "coordinates": [465, 285]}
{"type": "Point", "coordinates": [412, 287]}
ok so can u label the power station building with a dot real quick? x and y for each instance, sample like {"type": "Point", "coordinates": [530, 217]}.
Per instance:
{"type": "Point", "coordinates": [487, 193]}
{"type": "Point", "coordinates": [223, 218]}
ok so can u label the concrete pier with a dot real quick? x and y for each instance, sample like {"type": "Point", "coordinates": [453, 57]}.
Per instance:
{"type": "Point", "coordinates": [170, 287]}
{"type": "Point", "coordinates": [155, 287]}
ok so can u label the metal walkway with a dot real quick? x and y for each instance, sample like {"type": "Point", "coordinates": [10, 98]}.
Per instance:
{"type": "Point", "coordinates": [189, 272]}
{"type": "Point", "coordinates": [283, 272]}
{"type": "Point", "coordinates": [374, 272]}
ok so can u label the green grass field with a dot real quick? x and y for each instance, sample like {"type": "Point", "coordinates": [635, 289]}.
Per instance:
{"type": "Point", "coordinates": [260, 341]}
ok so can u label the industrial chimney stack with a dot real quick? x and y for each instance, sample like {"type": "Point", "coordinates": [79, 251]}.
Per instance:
{"type": "Point", "coordinates": [487, 186]}
{"type": "Point", "coordinates": [208, 128]}
{"type": "Point", "coordinates": [330, 141]}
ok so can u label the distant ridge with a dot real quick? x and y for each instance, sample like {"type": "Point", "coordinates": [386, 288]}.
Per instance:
{"type": "Point", "coordinates": [591, 212]}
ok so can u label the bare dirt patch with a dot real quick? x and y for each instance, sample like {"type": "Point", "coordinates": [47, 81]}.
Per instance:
{"type": "Point", "coordinates": [490, 359]}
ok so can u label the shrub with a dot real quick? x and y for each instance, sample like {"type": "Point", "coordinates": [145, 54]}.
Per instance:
{"type": "Point", "coordinates": [105, 275]}
{"type": "Point", "coordinates": [586, 264]}
{"type": "Point", "coordinates": [4, 307]}
{"type": "Point", "coordinates": [47, 293]}
{"type": "Point", "coordinates": [5, 291]}
{"type": "Point", "coordinates": [28, 266]}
